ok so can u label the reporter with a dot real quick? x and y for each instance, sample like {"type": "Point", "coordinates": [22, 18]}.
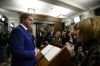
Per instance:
{"type": "Point", "coordinates": [87, 32]}
{"type": "Point", "coordinates": [70, 48]}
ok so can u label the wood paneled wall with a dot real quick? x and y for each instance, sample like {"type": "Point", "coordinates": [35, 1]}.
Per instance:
{"type": "Point", "coordinates": [46, 18]}
{"type": "Point", "coordinates": [57, 21]}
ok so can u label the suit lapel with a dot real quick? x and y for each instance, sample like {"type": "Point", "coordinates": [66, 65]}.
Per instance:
{"type": "Point", "coordinates": [25, 31]}
{"type": "Point", "coordinates": [27, 34]}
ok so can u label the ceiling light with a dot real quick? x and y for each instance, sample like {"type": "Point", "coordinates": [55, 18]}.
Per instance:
{"type": "Point", "coordinates": [31, 11]}
{"type": "Point", "coordinates": [61, 16]}
{"type": "Point", "coordinates": [3, 19]}
{"type": "Point", "coordinates": [59, 10]}
{"type": "Point", "coordinates": [76, 19]}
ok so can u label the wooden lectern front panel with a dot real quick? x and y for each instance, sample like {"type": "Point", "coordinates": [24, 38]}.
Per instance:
{"type": "Point", "coordinates": [62, 58]}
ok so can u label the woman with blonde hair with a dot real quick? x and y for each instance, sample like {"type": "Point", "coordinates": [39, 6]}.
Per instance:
{"type": "Point", "coordinates": [87, 32]}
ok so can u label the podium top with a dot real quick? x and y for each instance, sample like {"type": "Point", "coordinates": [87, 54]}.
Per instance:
{"type": "Point", "coordinates": [50, 51]}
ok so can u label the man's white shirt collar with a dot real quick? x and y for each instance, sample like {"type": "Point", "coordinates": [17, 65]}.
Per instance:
{"type": "Point", "coordinates": [23, 26]}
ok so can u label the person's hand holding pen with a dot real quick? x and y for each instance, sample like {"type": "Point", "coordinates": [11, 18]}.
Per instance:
{"type": "Point", "coordinates": [70, 48]}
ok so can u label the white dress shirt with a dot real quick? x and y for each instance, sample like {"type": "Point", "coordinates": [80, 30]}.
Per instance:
{"type": "Point", "coordinates": [24, 26]}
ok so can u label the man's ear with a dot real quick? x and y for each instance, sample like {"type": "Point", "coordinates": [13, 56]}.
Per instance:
{"type": "Point", "coordinates": [23, 19]}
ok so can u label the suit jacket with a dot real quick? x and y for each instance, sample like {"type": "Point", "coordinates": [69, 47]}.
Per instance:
{"type": "Point", "coordinates": [22, 47]}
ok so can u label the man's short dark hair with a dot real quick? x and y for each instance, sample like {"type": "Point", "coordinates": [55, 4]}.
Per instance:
{"type": "Point", "coordinates": [24, 16]}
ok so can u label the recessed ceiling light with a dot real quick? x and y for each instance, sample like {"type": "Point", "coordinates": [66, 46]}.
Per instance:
{"type": "Point", "coordinates": [31, 11]}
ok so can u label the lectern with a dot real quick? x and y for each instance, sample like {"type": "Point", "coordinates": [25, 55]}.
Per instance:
{"type": "Point", "coordinates": [54, 55]}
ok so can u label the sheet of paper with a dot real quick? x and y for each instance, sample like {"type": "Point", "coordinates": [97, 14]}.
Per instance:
{"type": "Point", "coordinates": [52, 53]}
{"type": "Point", "coordinates": [47, 49]}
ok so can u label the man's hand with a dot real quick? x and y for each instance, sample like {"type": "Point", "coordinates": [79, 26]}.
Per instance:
{"type": "Point", "coordinates": [37, 51]}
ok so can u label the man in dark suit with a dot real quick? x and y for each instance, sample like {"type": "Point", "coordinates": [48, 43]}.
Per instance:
{"type": "Point", "coordinates": [22, 44]}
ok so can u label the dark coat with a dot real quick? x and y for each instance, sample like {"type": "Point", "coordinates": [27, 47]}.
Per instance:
{"type": "Point", "coordinates": [92, 53]}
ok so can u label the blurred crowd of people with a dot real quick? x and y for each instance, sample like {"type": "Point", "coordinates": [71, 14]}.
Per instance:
{"type": "Point", "coordinates": [51, 36]}
{"type": "Point", "coordinates": [4, 47]}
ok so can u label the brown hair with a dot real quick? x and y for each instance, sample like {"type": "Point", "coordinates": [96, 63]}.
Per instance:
{"type": "Point", "coordinates": [89, 28]}
{"type": "Point", "coordinates": [24, 16]}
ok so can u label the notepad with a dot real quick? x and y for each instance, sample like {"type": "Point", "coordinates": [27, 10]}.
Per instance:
{"type": "Point", "coordinates": [46, 49]}
{"type": "Point", "coordinates": [50, 51]}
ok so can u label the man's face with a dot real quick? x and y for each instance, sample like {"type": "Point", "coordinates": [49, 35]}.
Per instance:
{"type": "Point", "coordinates": [28, 21]}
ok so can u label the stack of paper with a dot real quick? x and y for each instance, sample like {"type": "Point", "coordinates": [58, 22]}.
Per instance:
{"type": "Point", "coordinates": [50, 51]}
